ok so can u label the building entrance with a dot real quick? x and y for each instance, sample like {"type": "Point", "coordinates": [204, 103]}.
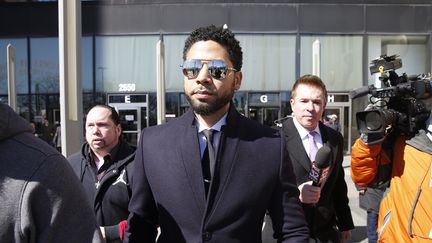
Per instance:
{"type": "Point", "coordinates": [264, 115]}
{"type": "Point", "coordinates": [338, 105]}
{"type": "Point", "coordinates": [134, 114]}
{"type": "Point", "coordinates": [264, 107]}
{"type": "Point", "coordinates": [334, 117]}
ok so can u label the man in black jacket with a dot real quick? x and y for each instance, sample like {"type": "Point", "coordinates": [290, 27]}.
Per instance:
{"type": "Point", "coordinates": [324, 200]}
{"type": "Point", "coordinates": [104, 168]}
{"type": "Point", "coordinates": [211, 174]}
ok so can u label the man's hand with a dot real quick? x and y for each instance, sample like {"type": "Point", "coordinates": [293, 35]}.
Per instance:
{"type": "Point", "coordinates": [122, 228]}
{"type": "Point", "coordinates": [372, 138]}
{"type": "Point", "coordinates": [345, 236]}
{"type": "Point", "coordinates": [308, 193]}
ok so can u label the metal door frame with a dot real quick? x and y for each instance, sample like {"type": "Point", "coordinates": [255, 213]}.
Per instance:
{"type": "Point", "coordinates": [341, 106]}
{"type": "Point", "coordinates": [264, 108]}
{"type": "Point", "coordinates": [134, 106]}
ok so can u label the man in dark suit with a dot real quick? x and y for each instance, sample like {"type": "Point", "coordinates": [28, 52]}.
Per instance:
{"type": "Point", "coordinates": [223, 200]}
{"type": "Point", "coordinates": [326, 202]}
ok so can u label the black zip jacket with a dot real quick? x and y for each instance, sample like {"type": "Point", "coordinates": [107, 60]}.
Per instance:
{"type": "Point", "coordinates": [110, 196]}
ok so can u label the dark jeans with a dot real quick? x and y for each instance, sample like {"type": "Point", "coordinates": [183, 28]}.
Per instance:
{"type": "Point", "coordinates": [372, 224]}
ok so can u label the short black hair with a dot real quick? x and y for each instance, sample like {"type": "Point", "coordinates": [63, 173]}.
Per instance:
{"type": "Point", "coordinates": [114, 115]}
{"type": "Point", "coordinates": [221, 35]}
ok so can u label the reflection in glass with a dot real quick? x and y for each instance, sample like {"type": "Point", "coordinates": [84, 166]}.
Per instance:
{"type": "Point", "coordinates": [268, 61]}
{"type": "Point", "coordinates": [413, 50]}
{"type": "Point", "coordinates": [172, 101]}
{"type": "Point", "coordinates": [21, 74]}
{"type": "Point", "coordinates": [173, 59]}
{"type": "Point", "coordinates": [341, 60]}
{"type": "Point", "coordinates": [87, 64]}
{"type": "Point", "coordinates": [125, 60]}
{"type": "Point", "coordinates": [44, 54]}
{"type": "Point", "coordinates": [239, 100]}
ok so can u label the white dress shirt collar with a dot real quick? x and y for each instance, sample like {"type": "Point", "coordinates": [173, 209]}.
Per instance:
{"type": "Point", "coordinates": [216, 133]}
{"type": "Point", "coordinates": [216, 127]}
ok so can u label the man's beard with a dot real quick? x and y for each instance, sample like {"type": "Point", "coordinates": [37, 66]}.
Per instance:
{"type": "Point", "coordinates": [205, 109]}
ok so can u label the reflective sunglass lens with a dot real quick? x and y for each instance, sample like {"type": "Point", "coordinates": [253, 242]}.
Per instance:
{"type": "Point", "coordinates": [191, 72]}
{"type": "Point", "coordinates": [218, 69]}
{"type": "Point", "coordinates": [191, 68]}
{"type": "Point", "coordinates": [218, 72]}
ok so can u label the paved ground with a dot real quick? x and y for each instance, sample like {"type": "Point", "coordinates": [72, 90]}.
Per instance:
{"type": "Point", "coordinates": [359, 215]}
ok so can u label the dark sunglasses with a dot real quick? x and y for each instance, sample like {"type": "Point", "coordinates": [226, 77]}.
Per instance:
{"type": "Point", "coordinates": [218, 69]}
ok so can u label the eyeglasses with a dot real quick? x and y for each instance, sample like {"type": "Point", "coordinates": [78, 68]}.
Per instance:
{"type": "Point", "coordinates": [217, 69]}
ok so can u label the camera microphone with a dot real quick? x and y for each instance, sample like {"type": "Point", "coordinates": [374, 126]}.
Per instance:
{"type": "Point", "coordinates": [320, 167]}
{"type": "Point", "coordinates": [361, 91]}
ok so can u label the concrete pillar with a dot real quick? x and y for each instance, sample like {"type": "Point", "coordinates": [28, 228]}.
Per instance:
{"type": "Point", "coordinates": [71, 115]}
{"type": "Point", "coordinates": [11, 77]}
{"type": "Point", "coordinates": [160, 83]}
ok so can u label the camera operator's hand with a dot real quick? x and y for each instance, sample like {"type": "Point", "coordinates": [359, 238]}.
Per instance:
{"type": "Point", "coordinates": [372, 138]}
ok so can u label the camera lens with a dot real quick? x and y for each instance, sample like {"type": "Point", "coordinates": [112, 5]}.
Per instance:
{"type": "Point", "coordinates": [373, 121]}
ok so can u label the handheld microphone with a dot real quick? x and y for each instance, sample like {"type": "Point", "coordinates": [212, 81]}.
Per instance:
{"type": "Point", "coordinates": [319, 169]}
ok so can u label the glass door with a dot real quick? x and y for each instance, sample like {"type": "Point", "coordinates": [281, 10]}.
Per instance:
{"type": "Point", "coordinates": [337, 117]}
{"type": "Point", "coordinates": [264, 115]}
{"type": "Point", "coordinates": [130, 123]}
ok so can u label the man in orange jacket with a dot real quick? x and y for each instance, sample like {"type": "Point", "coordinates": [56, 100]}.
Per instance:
{"type": "Point", "coordinates": [405, 213]}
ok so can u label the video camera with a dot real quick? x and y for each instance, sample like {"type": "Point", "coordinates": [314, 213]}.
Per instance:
{"type": "Point", "coordinates": [397, 104]}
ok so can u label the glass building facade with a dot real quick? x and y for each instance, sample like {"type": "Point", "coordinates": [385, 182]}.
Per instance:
{"type": "Point", "coordinates": [118, 55]}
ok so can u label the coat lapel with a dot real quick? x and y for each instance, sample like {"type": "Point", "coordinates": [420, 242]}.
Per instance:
{"type": "Point", "coordinates": [226, 159]}
{"type": "Point", "coordinates": [190, 155]}
{"type": "Point", "coordinates": [295, 145]}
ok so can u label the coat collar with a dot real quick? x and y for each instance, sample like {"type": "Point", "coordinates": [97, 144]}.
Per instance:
{"type": "Point", "coordinates": [294, 140]}
{"type": "Point", "coordinates": [421, 142]}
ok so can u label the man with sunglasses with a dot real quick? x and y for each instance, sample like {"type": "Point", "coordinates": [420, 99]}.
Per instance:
{"type": "Point", "coordinates": [217, 190]}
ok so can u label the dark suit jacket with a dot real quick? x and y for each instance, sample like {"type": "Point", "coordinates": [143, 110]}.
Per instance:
{"type": "Point", "coordinates": [332, 209]}
{"type": "Point", "coordinates": [168, 187]}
